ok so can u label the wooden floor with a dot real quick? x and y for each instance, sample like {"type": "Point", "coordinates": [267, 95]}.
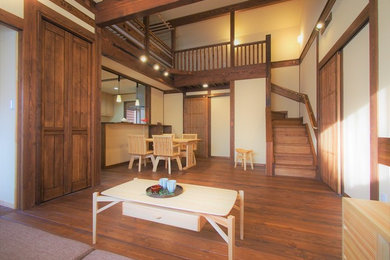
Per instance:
{"type": "Point", "coordinates": [285, 217]}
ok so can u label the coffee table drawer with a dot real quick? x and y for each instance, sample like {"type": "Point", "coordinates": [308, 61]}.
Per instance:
{"type": "Point", "coordinates": [163, 215]}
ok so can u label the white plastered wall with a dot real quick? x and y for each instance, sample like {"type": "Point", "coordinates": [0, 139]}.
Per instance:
{"type": "Point", "coordinates": [220, 126]}
{"type": "Point", "coordinates": [8, 115]}
{"type": "Point", "coordinates": [344, 12]}
{"type": "Point", "coordinates": [356, 116]}
{"type": "Point", "coordinates": [15, 7]}
{"type": "Point", "coordinates": [157, 106]}
{"type": "Point", "coordinates": [384, 92]}
{"type": "Point", "coordinates": [286, 77]}
{"type": "Point", "coordinates": [308, 86]}
{"type": "Point", "coordinates": [173, 112]}
{"type": "Point", "coordinates": [249, 117]}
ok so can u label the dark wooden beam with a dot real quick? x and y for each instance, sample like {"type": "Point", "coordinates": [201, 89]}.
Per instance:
{"type": "Point", "coordinates": [222, 11]}
{"type": "Point", "coordinates": [146, 39]}
{"type": "Point", "coordinates": [232, 23]}
{"type": "Point", "coordinates": [11, 20]}
{"type": "Point", "coordinates": [126, 54]}
{"type": "Point", "coordinates": [374, 78]}
{"type": "Point", "coordinates": [284, 63]}
{"type": "Point", "coordinates": [232, 94]}
{"type": "Point", "coordinates": [114, 11]}
{"type": "Point", "coordinates": [73, 10]}
{"type": "Point", "coordinates": [221, 75]}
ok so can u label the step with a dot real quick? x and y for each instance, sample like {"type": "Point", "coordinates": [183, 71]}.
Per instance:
{"type": "Point", "coordinates": [292, 148]}
{"type": "Point", "coordinates": [289, 130]}
{"type": "Point", "coordinates": [279, 114]}
{"type": "Point", "coordinates": [295, 171]}
{"type": "Point", "coordinates": [294, 159]}
{"type": "Point", "coordinates": [290, 139]}
{"type": "Point", "coordinates": [288, 121]}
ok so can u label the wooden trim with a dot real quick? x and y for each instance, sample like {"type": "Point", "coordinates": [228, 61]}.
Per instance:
{"type": "Point", "coordinates": [73, 10]}
{"type": "Point", "coordinates": [146, 39]}
{"type": "Point", "coordinates": [352, 30]}
{"type": "Point", "coordinates": [284, 63]}
{"type": "Point", "coordinates": [339, 109]}
{"type": "Point", "coordinates": [222, 11]}
{"type": "Point", "coordinates": [374, 178]}
{"type": "Point", "coordinates": [115, 11]}
{"type": "Point", "coordinates": [209, 122]}
{"type": "Point", "coordinates": [328, 7]}
{"type": "Point", "coordinates": [268, 70]}
{"type": "Point", "coordinates": [384, 150]}
{"type": "Point", "coordinates": [15, 22]}
{"type": "Point", "coordinates": [63, 22]}
{"type": "Point", "coordinates": [313, 151]}
{"type": "Point", "coordinates": [89, 4]}
{"type": "Point", "coordinates": [19, 187]}
{"type": "Point", "coordinates": [341, 120]}
{"type": "Point", "coordinates": [318, 176]}
{"type": "Point", "coordinates": [232, 32]}
{"type": "Point", "coordinates": [269, 142]}
{"type": "Point", "coordinates": [232, 105]}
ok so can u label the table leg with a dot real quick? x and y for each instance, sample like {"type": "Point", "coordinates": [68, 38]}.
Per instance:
{"type": "Point", "coordinates": [231, 236]}
{"type": "Point", "coordinates": [94, 213]}
{"type": "Point", "coordinates": [189, 156]}
{"type": "Point", "coordinates": [241, 192]}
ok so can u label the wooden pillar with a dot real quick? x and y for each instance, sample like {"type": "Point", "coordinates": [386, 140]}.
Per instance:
{"type": "Point", "coordinates": [232, 24]}
{"type": "Point", "coordinates": [232, 120]}
{"type": "Point", "coordinates": [373, 23]}
{"type": "Point", "coordinates": [268, 115]}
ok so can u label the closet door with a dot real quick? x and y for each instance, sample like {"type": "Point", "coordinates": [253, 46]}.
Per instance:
{"type": "Point", "coordinates": [79, 91]}
{"type": "Point", "coordinates": [54, 154]}
{"type": "Point", "coordinates": [65, 82]}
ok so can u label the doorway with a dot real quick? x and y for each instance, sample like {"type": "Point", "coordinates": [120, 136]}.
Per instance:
{"type": "Point", "coordinates": [9, 47]}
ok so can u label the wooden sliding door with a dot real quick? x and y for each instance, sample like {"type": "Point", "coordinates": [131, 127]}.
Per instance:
{"type": "Point", "coordinates": [196, 121]}
{"type": "Point", "coordinates": [329, 118]}
{"type": "Point", "coordinates": [65, 120]}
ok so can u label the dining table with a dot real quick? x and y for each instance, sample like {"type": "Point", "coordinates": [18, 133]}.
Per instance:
{"type": "Point", "coordinates": [189, 153]}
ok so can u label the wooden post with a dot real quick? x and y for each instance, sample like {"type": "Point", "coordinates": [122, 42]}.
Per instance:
{"type": "Point", "coordinates": [232, 39]}
{"type": "Point", "coordinates": [231, 236]}
{"type": "Point", "coordinates": [241, 192]}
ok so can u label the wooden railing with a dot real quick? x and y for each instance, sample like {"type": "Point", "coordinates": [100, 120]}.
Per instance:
{"type": "Point", "coordinates": [299, 97]}
{"type": "Point", "coordinates": [249, 53]}
{"type": "Point", "coordinates": [217, 56]}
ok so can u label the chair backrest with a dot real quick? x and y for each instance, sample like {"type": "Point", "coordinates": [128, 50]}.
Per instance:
{"type": "Point", "coordinates": [189, 136]}
{"type": "Point", "coordinates": [169, 135]}
{"type": "Point", "coordinates": [163, 145]}
{"type": "Point", "coordinates": [137, 144]}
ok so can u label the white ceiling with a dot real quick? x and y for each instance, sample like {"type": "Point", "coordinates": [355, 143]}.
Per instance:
{"type": "Point", "coordinates": [126, 86]}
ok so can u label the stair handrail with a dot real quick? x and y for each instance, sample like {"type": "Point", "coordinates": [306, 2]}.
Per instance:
{"type": "Point", "coordinates": [299, 97]}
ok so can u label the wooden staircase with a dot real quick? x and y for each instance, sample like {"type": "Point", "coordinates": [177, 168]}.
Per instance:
{"type": "Point", "coordinates": [293, 152]}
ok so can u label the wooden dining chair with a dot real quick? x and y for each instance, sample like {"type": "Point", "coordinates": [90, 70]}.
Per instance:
{"type": "Point", "coordinates": [138, 149]}
{"type": "Point", "coordinates": [164, 149]}
{"type": "Point", "coordinates": [183, 147]}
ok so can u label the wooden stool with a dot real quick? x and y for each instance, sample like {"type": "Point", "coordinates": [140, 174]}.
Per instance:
{"type": "Point", "coordinates": [243, 155]}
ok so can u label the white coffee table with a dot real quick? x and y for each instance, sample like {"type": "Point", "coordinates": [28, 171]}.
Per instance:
{"type": "Point", "coordinates": [189, 210]}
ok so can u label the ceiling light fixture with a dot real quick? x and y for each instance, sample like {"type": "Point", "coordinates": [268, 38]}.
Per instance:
{"type": "Point", "coordinates": [205, 85]}
{"type": "Point", "coordinates": [143, 58]}
{"type": "Point", "coordinates": [118, 97]}
{"type": "Point", "coordinates": [319, 26]}
{"type": "Point", "coordinates": [136, 97]}
{"type": "Point", "coordinates": [166, 73]}
{"type": "Point", "coordinates": [156, 66]}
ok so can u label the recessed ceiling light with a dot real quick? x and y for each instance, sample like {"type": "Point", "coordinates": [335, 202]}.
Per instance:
{"type": "Point", "coordinates": [156, 67]}
{"type": "Point", "coordinates": [319, 26]}
{"type": "Point", "coordinates": [143, 58]}
{"type": "Point", "coordinates": [166, 74]}
{"type": "Point", "coordinates": [116, 88]}
{"type": "Point", "coordinates": [205, 85]}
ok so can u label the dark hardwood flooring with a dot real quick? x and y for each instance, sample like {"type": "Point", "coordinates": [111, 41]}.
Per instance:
{"type": "Point", "coordinates": [285, 217]}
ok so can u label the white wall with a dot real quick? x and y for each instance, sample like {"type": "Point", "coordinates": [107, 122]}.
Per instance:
{"type": "Point", "coordinates": [384, 91]}
{"type": "Point", "coordinates": [286, 77]}
{"type": "Point", "coordinates": [356, 116]}
{"type": "Point", "coordinates": [15, 7]}
{"type": "Point", "coordinates": [173, 112]}
{"type": "Point", "coordinates": [344, 12]}
{"type": "Point", "coordinates": [157, 106]}
{"type": "Point", "coordinates": [310, 14]}
{"type": "Point", "coordinates": [249, 117]}
{"type": "Point", "coordinates": [8, 115]}
{"type": "Point", "coordinates": [220, 126]}
{"type": "Point", "coordinates": [308, 85]}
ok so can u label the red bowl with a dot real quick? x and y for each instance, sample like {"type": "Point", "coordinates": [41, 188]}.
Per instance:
{"type": "Point", "coordinates": [156, 188]}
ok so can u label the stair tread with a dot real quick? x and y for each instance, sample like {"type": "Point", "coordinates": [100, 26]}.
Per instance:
{"type": "Point", "coordinates": [289, 126]}
{"type": "Point", "coordinates": [295, 154]}
{"type": "Point", "coordinates": [292, 144]}
{"type": "Point", "coordinates": [282, 165]}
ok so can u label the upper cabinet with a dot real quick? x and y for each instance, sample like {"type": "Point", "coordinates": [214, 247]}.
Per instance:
{"type": "Point", "coordinates": [107, 105]}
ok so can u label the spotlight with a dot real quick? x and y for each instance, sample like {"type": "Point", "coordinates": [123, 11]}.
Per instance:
{"type": "Point", "coordinates": [143, 58]}
{"type": "Point", "coordinates": [205, 85]}
{"type": "Point", "coordinates": [319, 26]}
{"type": "Point", "coordinates": [166, 74]}
{"type": "Point", "coordinates": [156, 67]}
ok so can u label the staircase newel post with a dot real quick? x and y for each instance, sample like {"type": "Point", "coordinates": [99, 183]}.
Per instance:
{"type": "Point", "coordinates": [268, 114]}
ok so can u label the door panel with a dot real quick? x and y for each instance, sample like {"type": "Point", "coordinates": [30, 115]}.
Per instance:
{"type": "Point", "coordinates": [80, 177]}
{"type": "Point", "coordinates": [328, 141]}
{"type": "Point", "coordinates": [196, 121]}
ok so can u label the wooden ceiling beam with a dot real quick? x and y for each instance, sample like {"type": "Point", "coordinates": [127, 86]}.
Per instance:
{"type": "Point", "coordinates": [114, 11]}
{"type": "Point", "coordinates": [222, 11]}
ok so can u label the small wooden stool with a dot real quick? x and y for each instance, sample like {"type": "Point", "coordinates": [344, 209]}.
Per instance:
{"type": "Point", "coordinates": [243, 155]}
